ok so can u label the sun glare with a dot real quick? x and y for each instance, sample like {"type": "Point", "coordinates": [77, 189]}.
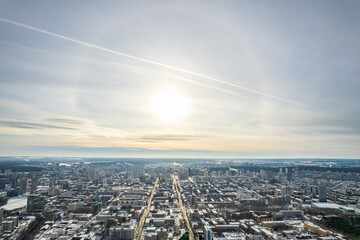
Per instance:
{"type": "Point", "coordinates": [170, 105]}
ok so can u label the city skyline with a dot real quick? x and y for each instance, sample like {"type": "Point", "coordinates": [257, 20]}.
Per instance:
{"type": "Point", "coordinates": [180, 79]}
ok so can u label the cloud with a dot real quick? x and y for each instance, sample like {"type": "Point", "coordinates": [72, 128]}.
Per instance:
{"type": "Point", "coordinates": [322, 125]}
{"type": "Point", "coordinates": [168, 138]}
{"type": "Point", "coordinates": [66, 120]}
{"type": "Point", "coordinates": [31, 125]}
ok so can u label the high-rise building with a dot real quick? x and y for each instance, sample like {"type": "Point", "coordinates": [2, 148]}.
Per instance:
{"type": "Point", "coordinates": [162, 234]}
{"type": "Point", "coordinates": [33, 188]}
{"type": "Point", "coordinates": [125, 233]}
{"type": "Point", "coordinates": [190, 173]}
{"type": "Point", "coordinates": [207, 233]}
{"type": "Point", "coordinates": [23, 185]}
{"type": "Point", "coordinates": [242, 193]}
{"type": "Point", "coordinates": [1, 214]}
{"type": "Point", "coordinates": [52, 182]}
{"type": "Point", "coordinates": [105, 184]}
{"type": "Point", "coordinates": [322, 193]}
{"type": "Point", "coordinates": [287, 191]}
{"type": "Point", "coordinates": [35, 203]}
{"type": "Point", "coordinates": [15, 179]}
{"type": "Point", "coordinates": [12, 192]}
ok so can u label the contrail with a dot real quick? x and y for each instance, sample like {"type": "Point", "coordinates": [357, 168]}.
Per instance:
{"type": "Point", "coordinates": [130, 67]}
{"type": "Point", "coordinates": [146, 60]}
{"type": "Point", "coordinates": [206, 85]}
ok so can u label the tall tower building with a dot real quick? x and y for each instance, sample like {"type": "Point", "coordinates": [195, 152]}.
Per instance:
{"type": "Point", "coordinates": [53, 182]}
{"type": "Point", "coordinates": [23, 185]}
{"type": "Point", "coordinates": [15, 179]}
{"type": "Point", "coordinates": [1, 214]}
{"type": "Point", "coordinates": [34, 184]}
{"type": "Point", "coordinates": [322, 193]}
{"type": "Point", "coordinates": [105, 184]}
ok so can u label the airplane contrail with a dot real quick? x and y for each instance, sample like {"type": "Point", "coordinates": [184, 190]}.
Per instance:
{"type": "Point", "coordinates": [206, 85]}
{"type": "Point", "coordinates": [145, 60]}
{"type": "Point", "coordinates": [153, 72]}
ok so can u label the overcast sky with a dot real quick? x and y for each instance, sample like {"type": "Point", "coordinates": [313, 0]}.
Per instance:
{"type": "Point", "coordinates": [260, 78]}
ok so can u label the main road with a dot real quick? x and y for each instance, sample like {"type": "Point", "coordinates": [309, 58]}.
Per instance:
{"type": "Point", "coordinates": [139, 231]}
{"type": "Point", "coordinates": [183, 209]}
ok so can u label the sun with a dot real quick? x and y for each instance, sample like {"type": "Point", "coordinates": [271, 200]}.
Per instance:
{"type": "Point", "coordinates": [170, 105]}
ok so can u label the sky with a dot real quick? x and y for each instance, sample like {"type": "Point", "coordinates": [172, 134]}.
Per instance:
{"type": "Point", "coordinates": [224, 79]}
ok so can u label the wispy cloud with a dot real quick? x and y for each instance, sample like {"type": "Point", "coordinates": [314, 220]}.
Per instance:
{"type": "Point", "coordinates": [66, 120]}
{"type": "Point", "coordinates": [167, 138]}
{"type": "Point", "coordinates": [31, 125]}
